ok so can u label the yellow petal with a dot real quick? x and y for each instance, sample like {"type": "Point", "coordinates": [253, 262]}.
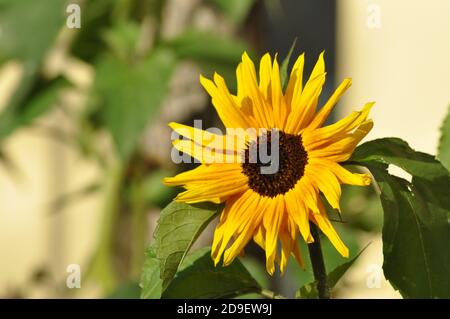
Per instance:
{"type": "Point", "coordinates": [305, 188]}
{"type": "Point", "coordinates": [318, 137]}
{"type": "Point", "coordinates": [205, 138]}
{"type": "Point", "coordinates": [286, 249]}
{"type": "Point", "coordinates": [327, 183]}
{"type": "Point", "coordinates": [299, 213]}
{"type": "Point", "coordinates": [229, 113]}
{"type": "Point", "coordinates": [322, 221]}
{"type": "Point", "coordinates": [235, 210]}
{"type": "Point", "coordinates": [219, 189]}
{"type": "Point", "coordinates": [272, 221]}
{"type": "Point", "coordinates": [319, 68]}
{"type": "Point", "coordinates": [259, 237]}
{"type": "Point", "coordinates": [261, 111]}
{"type": "Point", "coordinates": [265, 76]}
{"type": "Point", "coordinates": [325, 111]}
{"type": "Point", "coordinates": [245, 231]}
{"type": "Point", "coordinates": [204, 173]}
{"type": "Point", "coordinates": [295, 85]}
{"type": "Point", "coordinates": [278, 101]}
{"type": "Point", "coordinates": [340, 148]}
{"type": "Point", "coordinates": [343, 175]}
{"type": "Point", "coordinates": [206, 155]}
{"type": "Point", "coordinates": [303, 109]}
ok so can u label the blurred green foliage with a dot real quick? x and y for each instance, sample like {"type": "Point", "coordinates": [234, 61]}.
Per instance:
{"type": "Point", "coordinates": [133, 61]}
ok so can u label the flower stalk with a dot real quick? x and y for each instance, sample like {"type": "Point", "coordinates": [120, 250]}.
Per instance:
{"type": "Point", "coordinates": [318, 264]}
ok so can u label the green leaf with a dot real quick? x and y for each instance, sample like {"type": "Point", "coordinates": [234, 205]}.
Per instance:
{"type": "Point", "coordinates": [28, 28]}
{"type": "Point", "coordinates": [178, 227]}
{"type": "Point", "coordinates": [285, 64]}
{"type": "Point", "coordinates": [122, 39]}
{"type": "Point", "coordinates": [397, 152]}
{"type": "Point", "coordinates": [151, 282]}
{"type": "Point", "coordinates": [199, 278]}
{"type": "Point", "coordinates": [309, 291]}
{"type": "Point", "coordinates": [207, 47]}
{"type": "Point", "coordinates": [444, 143]}
{"type": "Point", "coordinates": [128, 290]}
{"type": "Point", "coordinates": [132, 95]}
{"type": "Point", "coordinates": [416, 231]}
{"type": "Point", "coordinates": [235, 10]}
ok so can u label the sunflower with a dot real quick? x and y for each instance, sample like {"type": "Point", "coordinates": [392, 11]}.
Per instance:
{"type": "Point", "coordinates": [272, 209]}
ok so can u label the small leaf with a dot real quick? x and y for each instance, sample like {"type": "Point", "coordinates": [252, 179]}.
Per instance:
{"type": "Point", "coordinates": [285, 64]}
{"type": "Point", "coordinates": [444, 143]}
{"type": "Point", "coordinates": [309, 291]}
{"type": "Point", "coordinates": [151, 282]}
{"type": "Point", "coordinates": [178, 227]}
{"type": "Point", "coordinates": [199, 278]}
{"type": "Point", "coordinates": [132, 95]}
{"type": "Point", "coordinates": [416, 231]}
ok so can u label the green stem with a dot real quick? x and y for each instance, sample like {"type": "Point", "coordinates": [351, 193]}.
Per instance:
{"type": "Point", "coordinates": [318, 264]}
{"type": "Point", "coordinates": [102, 267]}
{"type": "Point", "coordinates": [138, 228]}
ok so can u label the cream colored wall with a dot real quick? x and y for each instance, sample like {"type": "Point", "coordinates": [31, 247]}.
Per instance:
{"type": "Point", "coordinates": [30, 236]}
{"type": "Point", "coordinates": [402, 63]}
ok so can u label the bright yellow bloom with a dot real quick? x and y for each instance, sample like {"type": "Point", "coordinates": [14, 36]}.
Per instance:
{"type": "Point", "coordinates": [272, 209]}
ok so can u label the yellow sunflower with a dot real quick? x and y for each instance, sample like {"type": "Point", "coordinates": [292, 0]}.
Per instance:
{"type": "Point", "coordinates": [272, 209]}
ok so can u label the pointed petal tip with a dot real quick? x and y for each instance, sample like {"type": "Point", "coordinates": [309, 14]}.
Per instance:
{"type": "Point", "coordinates": [217, 77]}
{"type": "Point", "coordinates": [369, 104]}
{"type": "Point", "coordinates": [348, 82]}
{"type": "Point", "coordinates": [270, 270]}
{"type": "Point", "coordinates": [215, 258]}
{"type": "Point", "coordinates": [245, 56]}
{"type": "Point", "coordinates": [172, 125]}
{"type": "Point", "coordinates": [205, 81]}
{"type": "Point", "coordinates": [266, 56]}
{"type": "Point", "coordinates": [345, 252]}
{"type": "Point", "coordinates": [367, 179]}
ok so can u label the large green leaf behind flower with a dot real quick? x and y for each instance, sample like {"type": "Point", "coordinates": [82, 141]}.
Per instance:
{"type": "Point", "coordinates": [416, 229]}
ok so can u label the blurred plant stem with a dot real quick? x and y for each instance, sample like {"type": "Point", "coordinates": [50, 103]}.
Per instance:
{"type": "Point", "coordinates": [139, 228]}
{"type": "Point", "coordinates": [102, 267]}
{"type": "Point", "coordinates": [318, 264]}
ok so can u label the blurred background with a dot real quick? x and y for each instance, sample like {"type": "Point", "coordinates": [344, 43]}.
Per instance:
{"type": "Point", "coordinates": [87, 89]}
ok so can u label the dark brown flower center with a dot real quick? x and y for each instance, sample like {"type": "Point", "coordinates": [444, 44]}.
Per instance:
{"type": "Point", "coordinates": [273, 170]}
